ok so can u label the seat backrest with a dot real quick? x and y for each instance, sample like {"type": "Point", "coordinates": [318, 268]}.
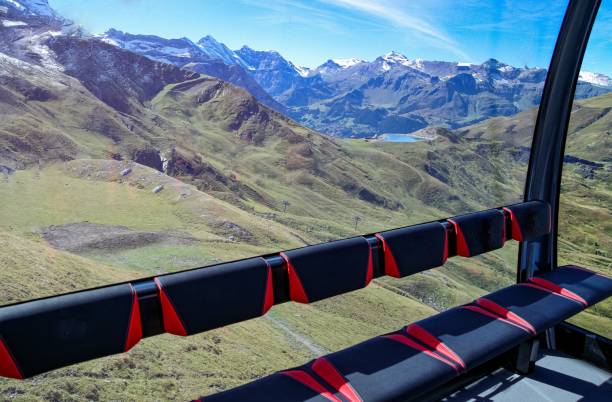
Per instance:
{"type": "Point", "coordinates": [414, 249]}
{"type": "Point", "coordinates": [479, 232]}
{"type": "Point", "coordinates": [325, 270]}
{"type": "Point", "coordinates": [530, 220]}
{"type": "Point", "coordinates": [46, 334]}
{"type": "Point", "coordinates": [207, 298]}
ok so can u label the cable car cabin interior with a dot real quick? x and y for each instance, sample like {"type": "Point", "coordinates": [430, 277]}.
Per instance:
{"type": "Point", "coordinates": [518, 340]}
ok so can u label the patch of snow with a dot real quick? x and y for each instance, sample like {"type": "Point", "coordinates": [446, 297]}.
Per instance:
{"type": "Point", "coordinates": [386, 66]}
{"type": "Point", "coordinates": [9, 23]}
{"type": "Point", "coordinates": [15, 4]}
{"type": "Point", "coordinates": [110, 41]}
{"type": "Point", "coordinates": [463, 64]}
{"type": "Point", "coordinates": [303, 71]}
{"type": "Point", "coordinates": [346, 63]}
{"type": "Point", "coordinates": [397, 58]}
{"type": "Point", "coordinates": [598, 79]}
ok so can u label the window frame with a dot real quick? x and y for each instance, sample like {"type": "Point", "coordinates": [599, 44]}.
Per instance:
{"type": "Point", "coordinates": [543, 180]}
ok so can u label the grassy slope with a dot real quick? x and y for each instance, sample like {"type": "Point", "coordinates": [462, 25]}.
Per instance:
{"type": "Point", "coordinates": [585, 213]}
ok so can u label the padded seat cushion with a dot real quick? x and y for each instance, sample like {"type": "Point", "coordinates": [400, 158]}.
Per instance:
{"type": "Point", "coordinates": [50, 333]}
{"type": "Point", "coordinates": [383, 369]}
{"type": "Point", "coordinates": [207, 298]}
{"type": "Point", "coordinates": [479, 232]}
{"type": "Point", "coordinates": [467, 336]}
{"type": "Point", "coordinates": [542, 309]}
{"type": "Point", "coordinates": [329, 269]}
{"type": "Point", "coordinates": [291, 386]}
{"type": "Point", "coordinates": [584, 285]}
{"type": "Point", "coordinates": [414, 249]}
{"type": "Point", "coordinates": [529, 220]}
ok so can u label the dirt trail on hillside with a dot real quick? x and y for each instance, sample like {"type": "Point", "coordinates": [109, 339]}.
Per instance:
{"type": "Point", "coordinates": [298, 338]}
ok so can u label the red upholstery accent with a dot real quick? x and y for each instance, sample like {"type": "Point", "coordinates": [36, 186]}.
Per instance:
{"type": "Point", "coordinates": [462, 247]}
{"type": "Point", "coordinates": [269, 298]}
{"type": "Point", "coordinates": [390, 263]}
{"type": "Point", "coordinates": [517, 234]}
{"type": "Point", "coordinates": [134, 334]}
{"type": "Point", "coordinates": [8, 366]}
{"type": "Point", "coordinates": [328, 372]}
{"type": "Point", "coordinates": [505, 313]}
{"type": "Point", "coordinates": [414, 345]}
{"type": "Point", "coordinates": [490, 314]}
{"type": "Point", "coordinates": [370, 272]}
{"type": "Point", "coordinates": [310, 382]}
{"type": "Point", "coordinates": [296, 290]}
{"type": "Point", "coordinates": [428, 339]}
{"type": "Point", "coordinates": [445, 255]}
{"type": "Point", "coordinates": [558, 289]}
{"type": "Point", "coordinates": [172, 322]}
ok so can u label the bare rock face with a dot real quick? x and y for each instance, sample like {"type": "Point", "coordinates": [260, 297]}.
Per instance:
{"type": "Point", "coordinates": [148, 157]}
{"type": "Point", "coordinates": [117, 77]}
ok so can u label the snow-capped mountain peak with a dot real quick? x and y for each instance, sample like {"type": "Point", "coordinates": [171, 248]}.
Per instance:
{"type": "Point", "coordinates": [396, 58]}
{"type": "Point", "coordinates": [219, 51]}
{"type": "Point", "coordinates": [30, 7]}
{"type": "Point", "coordinates": [346, 63]}
{"type": "Point", "coordinates": [598, 79]}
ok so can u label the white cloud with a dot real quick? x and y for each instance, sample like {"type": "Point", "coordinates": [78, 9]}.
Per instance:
{"type": "Point", "coordinates": [398, 16]}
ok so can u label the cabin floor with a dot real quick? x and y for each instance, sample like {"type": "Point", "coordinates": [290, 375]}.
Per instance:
{"type": "Point", "coordinates": [557, 377]}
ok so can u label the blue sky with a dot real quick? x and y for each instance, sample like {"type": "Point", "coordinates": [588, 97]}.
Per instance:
{"type": "Point", "coordinates": [308, 32]}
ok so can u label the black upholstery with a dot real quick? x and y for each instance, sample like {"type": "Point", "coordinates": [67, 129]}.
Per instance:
{"type": "Point", "coordinates": [325, 270]}
{"type": "Point", "coordinates": [50, 333]}
{"type": "Point", "coordinates": [479, 232]}
{"type": "Point", "coordinates": [414, 249]}
{"type": "Point", "coordinates": [207, 298]}
{"type": "Point", "coordinates": [589, 286]}
{"type": "Point", "coordinates": [278, 387]}
{"type": "Point", "coordinates": [473, 336]}
{"type": "Point", "coordinates": [529, 220]}
{"type": "Point", "coordinates": [55, 332]}
{"type": "Point", "coordinates": [384, 369]}
{"type": "Point", "coordinates": [540, 308]}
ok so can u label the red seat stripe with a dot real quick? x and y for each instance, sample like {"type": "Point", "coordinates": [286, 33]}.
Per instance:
{"type": "Point", "coordinates": [307, 380]}
{"type": "Point", "coordinates": [480, 310]}
{"type": "Point", "coordinates": [462, 247]}
{"type": "Point", "coordinates": [543, 289]}
{"type": "Point", "coordinates": [558, 289]}
{"type": "Point", "coordinates": [517, 233]}
{"type": "Point", "coordinates": [269, 297]}
{"type": "Point", "coordinates": [445, 255]}
{"type": "Point", "coordinates": [391, 268]}
{"type": "Point", "coordinates": [370, 271]}
{"type": "Point", "coordinates": [134, 334]}
{"type": "Point", "coordinates": [172, 321]}
{"type": "Point", "coordinates": [8, 366]}
{"type": "Point", "coordinates": [296, 289]}
{"type": "Point", "coordinates": [428, 339]}
{"type": "Point", "coordinates": [324, 369]}
{"type": "Point", "coordinates": [414, 345]}
{"type": "Point", "coordinates": [505, 313]}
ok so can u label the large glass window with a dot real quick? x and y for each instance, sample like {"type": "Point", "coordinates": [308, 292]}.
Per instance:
{"type": "Point", "coordinates": [139, 138]}
{"type": "Point", "coordinates": [585, 214]}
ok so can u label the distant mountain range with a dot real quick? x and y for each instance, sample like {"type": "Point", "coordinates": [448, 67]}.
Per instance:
{"type": "Point", "coordinates": [346, 97]}
{"type": "Point", "coordinates": [352, 97]}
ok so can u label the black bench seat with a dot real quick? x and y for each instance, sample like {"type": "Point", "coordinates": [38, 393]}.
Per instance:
{"type": "Point", "coordinates": [426, 354]}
